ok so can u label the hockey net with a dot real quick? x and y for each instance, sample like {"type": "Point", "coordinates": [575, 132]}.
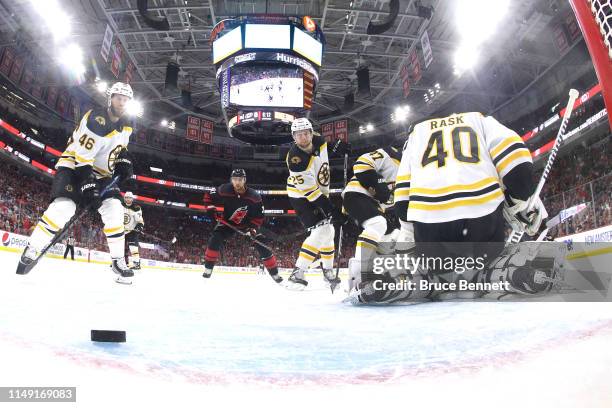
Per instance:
{"type": "Point", "coordinates": [595, 20]}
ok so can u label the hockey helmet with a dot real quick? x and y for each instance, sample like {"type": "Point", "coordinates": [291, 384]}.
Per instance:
{"type": "Point", "coordinates": [121, 89]}
{"type": "Point", "coordinates": [300, 124]}
{"type": "Point", "coordinates": [238, 173]}
{"type": "Point", "coordinates": [129, 194]}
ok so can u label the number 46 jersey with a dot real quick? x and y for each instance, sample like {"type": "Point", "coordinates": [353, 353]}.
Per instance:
{"type": "Point", "coordinates": [452, 167]}
{"type": "Point", "coordinates": [96, 142]}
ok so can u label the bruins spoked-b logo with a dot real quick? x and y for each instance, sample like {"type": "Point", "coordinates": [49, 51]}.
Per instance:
{"type": "Point", "coordinates": [323, 175]}
{"type": "Point", "coordinates": [126, 219]}
{"type": "Point", "coordinates": [113, 156]}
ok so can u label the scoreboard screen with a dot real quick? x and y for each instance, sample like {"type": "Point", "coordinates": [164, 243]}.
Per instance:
{"type": "Point", "coordinates": [274, 36]}
{"type": "Point", "coordinates": [227, 45]}
{"type": "Point", "coordinates": [307, 46]}
{"type": "Point", "coordinates": [266, 86]}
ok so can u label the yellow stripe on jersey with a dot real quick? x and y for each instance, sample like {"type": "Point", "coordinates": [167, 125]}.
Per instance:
{"type": "Point", "coordinates": [113, 133]}
{"type": "Point", "coordinates": [51, 223]}
{"type": "Point", "coordinates": [316, 194]}
{"type": "Point", "coordinates": [454, 188]}
{"type": "Point", "coordinates": [308, 190]}
{"type": "Point", "coordinates": [366, 159]}
{"type": "Point", "coordinates": [403, 178]}
{"type": "Point", "coordinates": [362, 167]}
{"type": "Point", "coordinates": [44, 230]}
{"type": "Point", "coordinates": [365, 244]}
{"type": "Point", "coordinates": [81, 159]}
{"type": "Point", "coordinates": [464, 202]}
{"type": "Point", "coordinates": [503, 145]}
{"type": "Point", "coordinates": [113, 230]}
{"type": "Point", "coordinates": [522, 153]}
{"type": "Point", "coordinates": [310, 248]}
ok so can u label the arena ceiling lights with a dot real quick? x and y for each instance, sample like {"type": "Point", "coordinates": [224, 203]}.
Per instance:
{"type": "Point", "coordinates": [58, 22]}
{"type": "Point", "coordinates": [476, 22]}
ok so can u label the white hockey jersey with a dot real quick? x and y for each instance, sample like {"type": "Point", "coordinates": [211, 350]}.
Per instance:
{"type": "Point", "coordinates": [452, 167]}
{"type": "Point", "coordinates": [96, 142]}
{"type": "Point", "coordinates": [132, 216]}
{"type": "Point", "coordinates": [385, 162]}
{"type": "Point", "coordinates": [309, 173]}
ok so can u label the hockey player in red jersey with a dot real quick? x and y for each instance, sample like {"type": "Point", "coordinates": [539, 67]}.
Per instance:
{"type": "Point", "coordinates": [242, 209]}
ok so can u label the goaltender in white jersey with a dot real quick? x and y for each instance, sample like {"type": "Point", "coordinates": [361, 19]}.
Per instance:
{"type": "Point", "coordinates": [460, 167]}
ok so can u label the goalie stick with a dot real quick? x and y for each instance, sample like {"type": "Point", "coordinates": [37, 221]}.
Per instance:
{"type": "Point", "coordinates": [516, 236]}
{"type": "Point", "coordinates": [23, 269]}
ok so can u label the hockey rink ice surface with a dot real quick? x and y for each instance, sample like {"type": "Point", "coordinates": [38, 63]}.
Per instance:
{"type": "Point", "coordinates": [235, 340]}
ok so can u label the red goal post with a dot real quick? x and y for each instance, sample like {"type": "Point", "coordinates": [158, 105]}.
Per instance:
{"type": "Point", "coordinates": [595, 20]}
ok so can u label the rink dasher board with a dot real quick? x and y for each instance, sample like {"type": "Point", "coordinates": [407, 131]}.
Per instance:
{"type": "Point", "coordinates": [15, 243]}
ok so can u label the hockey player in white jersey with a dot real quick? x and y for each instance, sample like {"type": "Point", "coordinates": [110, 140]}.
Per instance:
{"type": "Point", "coordinates": [96, 151]}
{"type": "Point", "coordinates": [454, 175]}
{"type": "Point", "coordinates": [133, 225]}
{"type": "Point", "coordinates": [365, 198]}
{"type": "Point", "coordinates": [308, 190]}
{"type": "Point", "coordinates": [459, 177]}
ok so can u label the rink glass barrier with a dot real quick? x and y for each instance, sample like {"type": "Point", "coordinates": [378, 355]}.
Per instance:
{"type": "Point", "coordinates": [596, 195]}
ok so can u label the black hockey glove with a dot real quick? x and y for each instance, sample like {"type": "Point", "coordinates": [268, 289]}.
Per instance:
{"type": "Point", "coordinates": [340, 148]}
{"type": "Point", "coordinates": [123, 166]}
{"type": "Point", "coordinates": [382, 193]}
{"type": "Point", "coordinates": [139, 228]}
{"type": "Point", "coordinates": [89, 188]}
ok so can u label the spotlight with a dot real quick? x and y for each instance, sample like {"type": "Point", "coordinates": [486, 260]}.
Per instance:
{"type": "Point", "coordinates": [369, 127]}
{"type": "Point", "coordinates": [101, 86]}
{"type": "Point", "coordinates": [135, 108]}
{"type": "Point", "coordinates": [72, 58]}
{"type": "Point", "coordinates": [164, 122]}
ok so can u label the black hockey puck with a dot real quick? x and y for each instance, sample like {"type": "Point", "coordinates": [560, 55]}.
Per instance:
{"type": "Point", "coordinates": [109, 336]}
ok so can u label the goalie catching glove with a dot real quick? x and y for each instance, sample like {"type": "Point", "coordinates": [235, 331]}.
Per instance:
{"type": "Point", "coordinates": [520, 218]}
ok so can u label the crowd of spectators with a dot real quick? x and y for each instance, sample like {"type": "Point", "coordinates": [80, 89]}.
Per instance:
{"type": "Point", "coordinates": [24, 197]}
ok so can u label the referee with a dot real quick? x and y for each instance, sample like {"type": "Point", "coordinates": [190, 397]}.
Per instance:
{"type": "Point", "coordinates": [69, 247]}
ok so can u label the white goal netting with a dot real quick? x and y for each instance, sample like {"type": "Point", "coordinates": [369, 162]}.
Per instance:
{"type": "Point", "coordinates": [602, 10]}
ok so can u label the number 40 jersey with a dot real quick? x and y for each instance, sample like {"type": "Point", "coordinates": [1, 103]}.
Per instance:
{"type": "Point", "coordinates": [452, 167]}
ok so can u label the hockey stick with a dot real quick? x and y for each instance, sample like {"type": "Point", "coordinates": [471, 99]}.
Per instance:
{"type": "Point", "coordinates": [244, 234]}
{"type": "Point", "coordinates": [333, 285]}
{"type": "Point", "coordinates": [23, 269]}
{"type": "Point", "coordinates": [172, 241]}
{"type": "Point", "coordinates": [284, 238]}
{"type": "Point", "coordinates": [516, 236]}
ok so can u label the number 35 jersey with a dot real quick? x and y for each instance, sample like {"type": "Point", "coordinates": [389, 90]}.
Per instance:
{"type": "Point", "coordinates": [96, 142]}
{"type": "Point", "coordinates": [309, 173]}
{"type": "Point", "coordinates": [452, 167]}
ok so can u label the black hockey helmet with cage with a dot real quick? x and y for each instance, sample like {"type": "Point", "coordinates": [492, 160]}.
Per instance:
{"type": "Point", "coordinates": [238, 173]}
